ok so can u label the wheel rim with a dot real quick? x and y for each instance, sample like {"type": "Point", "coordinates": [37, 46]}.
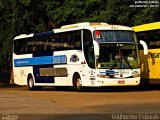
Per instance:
{"type": "Point", "coordinates": [30, 83]}
{"type": "Point", "coordinates": [78, 84]}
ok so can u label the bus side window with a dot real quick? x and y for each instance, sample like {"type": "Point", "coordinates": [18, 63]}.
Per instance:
{"type": "Point", "coordinates": [25, 47]}
{"type": "Point", "coordinates": [77, 40]}
{"type": "Point", "coordinates": [142, 36]}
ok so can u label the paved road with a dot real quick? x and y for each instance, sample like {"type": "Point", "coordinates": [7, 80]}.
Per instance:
{"type": "Point", "coordinates": [100, 104]}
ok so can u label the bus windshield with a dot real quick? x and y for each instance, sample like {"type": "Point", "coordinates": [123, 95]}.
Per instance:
{"type": "Point", "coordinates": [114, 36]}
{"type": "Point", "coordinates": [120, 56]}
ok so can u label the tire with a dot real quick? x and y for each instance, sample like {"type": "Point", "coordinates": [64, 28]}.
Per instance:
{"type": "Point", "coordinates": [77, 83]}
{"type": "Point", "coordinates": [31, 84]}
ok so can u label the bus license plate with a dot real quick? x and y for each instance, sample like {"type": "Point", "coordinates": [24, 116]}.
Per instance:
{"type": "Point", "coordinates": [121, 82]}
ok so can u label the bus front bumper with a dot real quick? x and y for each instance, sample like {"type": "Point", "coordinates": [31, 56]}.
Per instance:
{"type": "Point", "coordinates": [102, 82]}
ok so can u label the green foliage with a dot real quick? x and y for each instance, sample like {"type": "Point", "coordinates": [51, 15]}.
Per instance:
{"type": "Point", "coordinates": [25, 2]}
{"type": "Point", "coordinates": [147, 15]}
{"type": "Point", "coordinates": [30, 16]}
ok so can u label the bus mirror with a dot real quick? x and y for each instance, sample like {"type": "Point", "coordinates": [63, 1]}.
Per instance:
{"type": "Point", "coordinates": [145, 47]}
{"type": "Point", "coordinates": [96, 48]}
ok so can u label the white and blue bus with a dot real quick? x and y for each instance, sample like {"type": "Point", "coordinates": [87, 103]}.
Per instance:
{"type": "Point", "coordinates": [79, 55]}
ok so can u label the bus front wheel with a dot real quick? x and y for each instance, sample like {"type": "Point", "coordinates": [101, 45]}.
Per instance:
{"type": "Point", "coordinates": [77, 83]}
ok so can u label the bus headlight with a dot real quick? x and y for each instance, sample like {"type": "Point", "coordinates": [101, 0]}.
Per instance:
{"type": "Point", "coordinates": [102, 76]}
{"type": "Point", "coordinates": [136, 74]}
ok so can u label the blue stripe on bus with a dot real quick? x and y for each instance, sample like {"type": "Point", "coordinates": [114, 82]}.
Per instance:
{"type": "Point", "coordinates": [49, 33]}
{"type": "Point", "coordinates": [61, 59]}
{"type": "Point", "coordinates": [109, 72]}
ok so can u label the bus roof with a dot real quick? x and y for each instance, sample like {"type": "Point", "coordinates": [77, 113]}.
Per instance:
{"type": "Point", "coordinates": [91, 26]}
{"type": "Point", "coordinates": [48, 33]}
{"type": "Point", "coordinates": [147, 27]}
{"type": "Point", "coordinates": [78, 26]}
{"type": "Point", "coordinates": [23, 36]}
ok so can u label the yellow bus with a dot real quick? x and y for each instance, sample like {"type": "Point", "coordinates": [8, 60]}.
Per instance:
{"type": "Point", "coordinates": [150, 64]}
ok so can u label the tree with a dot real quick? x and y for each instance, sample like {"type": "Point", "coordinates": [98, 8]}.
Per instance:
{"type": "Point", "coordinates": [147, 15]}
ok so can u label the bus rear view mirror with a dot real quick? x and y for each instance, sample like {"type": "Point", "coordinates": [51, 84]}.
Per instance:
{"type": "Point", "coordinates": [96, 48]}
{"type": "Point", "coordinates": [145, 47]}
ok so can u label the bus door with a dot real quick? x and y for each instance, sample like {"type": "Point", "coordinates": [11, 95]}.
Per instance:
{"type": "Point", "coordinates": [88, 69]}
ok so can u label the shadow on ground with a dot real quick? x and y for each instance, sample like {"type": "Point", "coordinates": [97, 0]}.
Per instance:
{"type": "Point", "coordinates": [92, 89]}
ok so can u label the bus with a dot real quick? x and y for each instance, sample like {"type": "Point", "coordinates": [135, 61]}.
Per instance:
{"type": "Point", "coordinates": [80, 55]}
{"type": "Point", "coordinates": [150, 65]}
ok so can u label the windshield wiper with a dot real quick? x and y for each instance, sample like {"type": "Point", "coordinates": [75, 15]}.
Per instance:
{"type": "Point", "coordinates": [122, 57]}
{"type": "Point", "coordinates": [112, 67]}
{"type": "Point", "coordinates": [127, 62]}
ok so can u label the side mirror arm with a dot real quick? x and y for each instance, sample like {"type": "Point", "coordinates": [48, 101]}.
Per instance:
{"type": "Point", "coordinates": [145, 47]}
{"type": "Point", "coordinates": [96, 48]}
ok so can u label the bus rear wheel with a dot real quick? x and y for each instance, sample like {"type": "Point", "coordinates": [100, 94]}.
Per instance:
{"type": "Point", "coordinates": [31, 84]}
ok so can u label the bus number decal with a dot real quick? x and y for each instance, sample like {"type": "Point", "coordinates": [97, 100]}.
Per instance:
{"type": "Point", "coordinates": [59, 59]}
